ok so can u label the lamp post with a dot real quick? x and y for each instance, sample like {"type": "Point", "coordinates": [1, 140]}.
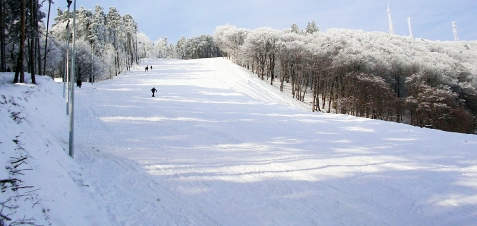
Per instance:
{"type": "Point", "coordinates": [136, 56]}
{"type": "Point", "coordinates": [140, 54]}
{"type": "Point", "coordinates": [67, 61]}
{"type": "Point", "coordinates": [92, 63]}
{"type": "Point", "coordinates": [72, 80]}
{"type": "Point", "coordinates": [91, 79]}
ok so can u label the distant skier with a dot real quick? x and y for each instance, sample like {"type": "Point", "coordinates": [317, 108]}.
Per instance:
{"type": "Point", "coordinates": [153, 90]}
{"type": "Point", "coordinates": [147, 67]}
{"type": "Point", "coordinates": [150, 67]}
{"type": "Point", "coordinates": [79, 83]}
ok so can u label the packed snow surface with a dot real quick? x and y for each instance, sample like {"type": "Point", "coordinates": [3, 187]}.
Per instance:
{"type": "Point", "coordinates": [219, 146]}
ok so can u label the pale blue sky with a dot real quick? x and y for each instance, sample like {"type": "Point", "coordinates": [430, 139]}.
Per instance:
{"type": "Point", "coordinates": [431, 19]}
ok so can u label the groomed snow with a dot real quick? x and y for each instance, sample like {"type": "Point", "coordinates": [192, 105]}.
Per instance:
{"type": "Point", "coordinates": [219, 146]}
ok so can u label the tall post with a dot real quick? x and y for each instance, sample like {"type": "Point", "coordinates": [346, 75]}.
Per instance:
{"type": "Point", "coordinates": [410, 28]}
{"type": "Point", "coordinates": [454, 27]}
{"type": "Point", "coordinates": [92, 63]}
{"type": "Point", "coordinates": [137, 57]}
{"type": "Point", "coordinates": [391, 27]}
{"type": "Point", "coordinates": [66, 76]}
{"type": "Point", "coordinates": [72, 89]}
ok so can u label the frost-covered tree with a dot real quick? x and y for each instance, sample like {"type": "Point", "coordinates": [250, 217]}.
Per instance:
{"type": "Point", "coordinates": [229, 39]}
{"type": "Point", "coordinates": [369, 74]}
{"type": "Point", "coordinates": [311, 28]}
{"type": "Point", "coordinates": [295, 29]}
{"type": "Point", "coordinates": [131, 39]}
{"type": "Point", "coordinates": [111, 39]}
{"type": "Point", "coordinates": [161, 48]}
{"type": "Point", "coordinates": [116, 36]}
{"type": "Point", "coordinates": [84, 20]}
{"type": "Point", "coordinates": [201, 47]}
{"type": "Point", "coordinates": [144, 45]}
{"type": "Point", "coordinates": [171, 51]}
{"type": "Point", "coordinates": [84, 62]}
{"type": "Point", "coordinates": [54, 64]}
{"type": "Point", "coordinates": [181, 48]}
{"type": "Point", "coordinates": [260, 49]}
{"type": "Point", "coordinates": [98, 30]}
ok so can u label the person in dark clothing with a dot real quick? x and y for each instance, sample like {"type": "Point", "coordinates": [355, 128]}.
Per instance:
{"type": "Point", "coordinates": [147, 67]}
{"type": "Point", "coordinates": [153, 90]}
{"type": "Point", "coordinates": [79, 83]}
{"type": "Point", "coordinates": [150, 67]}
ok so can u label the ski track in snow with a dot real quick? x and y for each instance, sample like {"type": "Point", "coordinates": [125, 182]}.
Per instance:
{"type": "Point", "coordinates": [218, 146]}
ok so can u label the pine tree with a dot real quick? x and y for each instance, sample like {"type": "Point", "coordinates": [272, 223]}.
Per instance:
{"type": "Point", "coordinates": [115, 25]}
{"type": "Point", "coordinates": [180, 48]}
{"type": "Point", "coordinates": [131, 39]}
{"type": "Point", "coordinates": [84, 19]}
{"type": "Point", "coordinates": [295, 28]}
{"type": "Point", "coordinates": [98, 30]}
{"type": "Point", "coordinates": [312, 28]}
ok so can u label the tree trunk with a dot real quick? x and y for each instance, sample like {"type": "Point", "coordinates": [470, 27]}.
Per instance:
{"type": "Point", "coordinates": [32, 43]}
{"type": "Point", "coordinates": [37, 39]}
{"type": "Point", "coordinates": [272, 68]}
{"type": "Point", "coordinates": [46, 38]}
{"type": "Point", "coordinates": [31, 57]}
{"type": "Point", "coordinates": [20, 70]}
{"type": "Point", "coordinates": [3, 63]}
{"type": "Point", "coordinates": [38, 53]}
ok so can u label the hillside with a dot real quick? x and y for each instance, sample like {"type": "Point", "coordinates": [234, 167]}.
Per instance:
{"type": "Point", "coordinates": [366, 74]}
{"type": "Point", "coordinates": [219, 146]}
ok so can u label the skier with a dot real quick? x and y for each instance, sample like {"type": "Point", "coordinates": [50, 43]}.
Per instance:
{"type": "Point", "coordinates": [153, 90]}
{"type": "Point", "coordinates": [150, 67]}
{"type": "Point", "coordinates": [79, 82]}
{"type": "Point", "coordinates": [147, 67]}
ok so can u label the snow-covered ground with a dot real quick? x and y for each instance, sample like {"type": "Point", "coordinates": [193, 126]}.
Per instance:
{"type": "Point", "coordinates": [218, 146]}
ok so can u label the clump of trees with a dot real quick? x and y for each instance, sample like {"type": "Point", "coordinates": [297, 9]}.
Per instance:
{"type": "Point", "coordinates": [186, 48]}
{"type": "Point", "coordinates": [197, 47]}
{"type": "Point", "coordinates": [19, 38]}
{"type": "Point", "coordinates": [106, 43]}
{"type": "Point", "coordinates": [366, 74]}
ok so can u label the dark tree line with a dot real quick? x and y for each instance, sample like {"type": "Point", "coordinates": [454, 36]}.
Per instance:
{"type": "Point", "coordinates": [20, 36]}
{"type": "Point", "coordinates": [106, 43]}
